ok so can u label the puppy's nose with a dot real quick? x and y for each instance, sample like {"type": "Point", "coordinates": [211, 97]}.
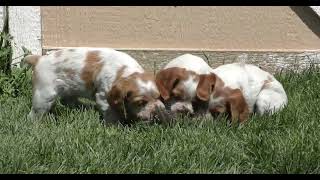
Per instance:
{"type": "Point", "coordinates": [185, 111]}
{"type": "Point", "coordinates": [159, 105]}
{"type": "Point", "coordinates": [182, 110]}
{"type": "Point", "coordinates": [161, 115]}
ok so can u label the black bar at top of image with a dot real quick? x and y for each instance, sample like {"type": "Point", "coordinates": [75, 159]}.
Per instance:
{"type": "Point", "coordinates": [161, 2]}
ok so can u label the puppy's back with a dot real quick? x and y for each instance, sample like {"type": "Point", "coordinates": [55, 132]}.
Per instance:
{"type": "Point", "coordinates": [191, 63]}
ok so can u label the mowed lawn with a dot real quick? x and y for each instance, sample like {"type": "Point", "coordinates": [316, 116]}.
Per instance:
{"type": "Point", "coordinates": [75, 141]}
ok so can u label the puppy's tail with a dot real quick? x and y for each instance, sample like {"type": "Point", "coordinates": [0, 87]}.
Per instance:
{"type": "Point", "coordinates": [30, 60]}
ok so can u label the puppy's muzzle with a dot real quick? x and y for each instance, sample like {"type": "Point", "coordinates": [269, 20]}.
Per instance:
{"type": "Point", "coordinates": [160, 114]}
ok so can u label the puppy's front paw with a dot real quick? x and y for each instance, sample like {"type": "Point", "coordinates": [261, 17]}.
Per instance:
{"type": "Point", "coordinates": [31, 115]}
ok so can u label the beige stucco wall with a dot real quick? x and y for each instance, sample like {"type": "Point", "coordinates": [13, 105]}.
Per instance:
{"type": "Point", "coordinates": [211, 28]}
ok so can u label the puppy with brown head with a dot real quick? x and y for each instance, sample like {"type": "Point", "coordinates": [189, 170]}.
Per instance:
{"type": "Point", "coordinates": [244, 89]}
{"type": "Point", "coordinates": [184, 84]}
{"type": "Point", "coordinates": [120, 86]}
{"type": "Point", "coordinates": [135, 97]}
{"type": "Point", "coordinates": [188, 85]}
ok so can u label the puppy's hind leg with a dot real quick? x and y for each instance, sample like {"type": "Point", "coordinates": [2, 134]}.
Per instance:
{"type": "Point", "coordinates": [271, 99]}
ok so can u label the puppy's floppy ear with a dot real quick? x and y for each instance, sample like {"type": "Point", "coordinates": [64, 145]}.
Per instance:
{"type": "Point", "coordinates": [116, 95]}
{"type": "Point", "coordinates": [120, 92]}
{"type": "Point", "coordinates": [205, 86]}
{"type": "Point", "coordinates": [116, 98]}
{"type": "Point", "coordinates": [167, 79]}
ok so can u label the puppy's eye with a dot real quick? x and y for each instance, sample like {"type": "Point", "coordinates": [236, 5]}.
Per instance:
{"type": "Point", "coordinates": [212, 88]}
{"type": "Point", "coordinates": [141, 102]}
{"type": "Point", "coordinates": [156, 95]}
{"type": "Point", "coordinates": [176, 96]}
{"type": "Point", "coordinates": [129, 94]}
{"type": "Point", "coordinates": [175, 83]}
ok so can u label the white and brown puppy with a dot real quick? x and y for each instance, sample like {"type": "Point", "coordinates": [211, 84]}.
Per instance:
{"type": "Point", "coordinates": [119, 85]}
{"type": "Point", "coordinates": [181, 83]}
{"type": "Point", "coordinates": [241, 89]}
{"type": "Point", "coordinates": [187, 83]}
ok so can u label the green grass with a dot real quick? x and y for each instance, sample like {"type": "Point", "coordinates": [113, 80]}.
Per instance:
{"type": "Point", "coordinates": [74, 141]}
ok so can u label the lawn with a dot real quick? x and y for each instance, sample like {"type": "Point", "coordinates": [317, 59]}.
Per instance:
{"type": "Point", "coordinates": [74, 140]}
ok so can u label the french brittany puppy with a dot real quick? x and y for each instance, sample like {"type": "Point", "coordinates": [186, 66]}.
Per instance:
{"type": "Point", "coordinates": [188, 84]}
{"type": "Point", "coordinates": [119, 85]}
